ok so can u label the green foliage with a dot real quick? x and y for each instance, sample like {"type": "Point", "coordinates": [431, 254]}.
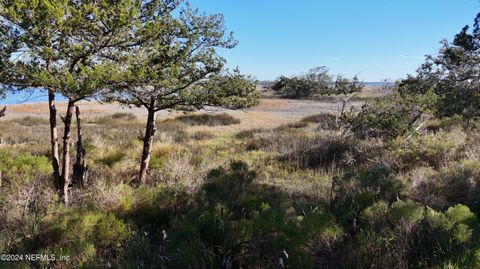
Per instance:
{"type": "Point", "coordinates": [116, 119]}
{"type": "Point", "coordinates": [64, 44]}
{"type": "Point", "coordinates": [112, 157]}
{"type": "Point", "coordinates": [358, 190]}
{"type": "Point", "coordinates": [182, 70]}
{"type": "Point", "coordinates": [453, 76]}
{"type": "Point", "coordinates": [91, 237]}
{"type": "Point", "coordinates": [237, 222]}
{"type": "Point", "coordinates": [431, 150]}
{"type": "Point", "coordinates": [316, 82]}
{"type": "Point", "coordinates": [407, 234]}
{"type": "Point", "coordinates": [23, 166]}
{"type": "Point", "coordinates": [391, 116]}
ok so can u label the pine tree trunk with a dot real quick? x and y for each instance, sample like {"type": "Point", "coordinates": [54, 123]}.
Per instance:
{"type": "Point", "coordinates": [54, 140]}
{"type": "Point", "coordinates": [147, 143]}
{"type": "Point", "coordinates": [65, 179]}
{"type": "Point", "coordinates": [80, 167]}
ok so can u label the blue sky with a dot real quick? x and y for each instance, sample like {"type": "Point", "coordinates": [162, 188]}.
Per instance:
{"type": "Point", "coordinates": [376, 39]}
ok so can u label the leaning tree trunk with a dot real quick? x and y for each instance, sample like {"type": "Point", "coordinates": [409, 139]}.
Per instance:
{"type": "Point", "coordinates": [80, 167]}
{"type": "Point", "coordinates": [54, 140]}
{"type": "Point", "coordinates": [65, 179]}
{"type": "Point", "coordinates": [147, 143]}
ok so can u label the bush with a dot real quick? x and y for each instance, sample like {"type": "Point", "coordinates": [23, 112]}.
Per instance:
{"type": "Point", "coordinates": [24, 166]}
{"type": "Point", "coordinates": [239, 222]}
{"type": "Point", "coordinates": [114, 119]}
{"type": "Point", "coordinates": [90, 238]}
{"type": "Point", "coordinates": [316, 81]}
{"type": "Point", "coordinates": [124, 116]}
{"type": "Point", "coordinates": [457, 184]}
{"type": "Point", "coordinates": [356, 190]}
{"type": "Point", "coordinates": [113, 157]}
{"type": "Point", "coordinates": [325, 121]}
{"type": "Point", "coordinates": [328, 152]}
{"type": "Point", "coordinates": [431, 150]}
{"type": "Point", "coordinates": [293, 125]}
{"type": "Point", "coordinates": [208, 119]}
{"type": "Point", "coordinates": [389, 117]}
{"type": "Point", "coordinates": [405, 234]}
{"type": "Point", "coordinates": [31, 121]}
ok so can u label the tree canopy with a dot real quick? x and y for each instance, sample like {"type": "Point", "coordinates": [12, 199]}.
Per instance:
{"type": "Point", "coordinates": [176, 66]}
{"type": "Point", "coordinates": [453, 74]}
{"type": "Point", "coordinates": [317, 81]}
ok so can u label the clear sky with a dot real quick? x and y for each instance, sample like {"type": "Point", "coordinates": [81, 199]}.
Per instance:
{"type": "Point", "coordinates": [376, 39]}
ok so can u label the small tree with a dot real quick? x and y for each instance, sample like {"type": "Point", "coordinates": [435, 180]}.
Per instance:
{"type": "Point", "coordinates": [390, 116]}
{"type": "Point", "coordinates": [67, 47]}
{"type": "Point", "coordinates": [26, 38]}
{"type": "Point", "coordinates": [453, 75]}
{"type": "Point", "coordinates": [179, 69]}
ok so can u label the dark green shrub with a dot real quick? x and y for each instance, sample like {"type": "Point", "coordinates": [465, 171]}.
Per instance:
{"type": "Point", "coordinates": [237, 221]}
{"type": "Point", "coordinates": [316, 82]}
{"type": "Point", "coordinates": [112, 158]}
{"type": "Point", "coordinates": [293, 125]}
{"type": "Point", "coordinates": [90, 238]}
{"type": "Point", "coordinates": [116, 119]}
{"type": "Point", "coordinates": [405, 234]}
{"type": "Point", "coordinates": [208, 119]}
{"type": "Point", "coordinates": [318, 152]}
{"type": "Point", "coordinates": [124, 116]}
{"type": "Point", "coordinates": [389, 117]}
{"type": "Point", "coordinates": [273, 140]}
{"type": "Point", "coordinates": [176, 130]}
{"type": "Point", "coordinates": [359, 189]}
{"type": "Point", "coordinates": [325, 121]}
{"type": "Point", "coordinates": [23, 166]}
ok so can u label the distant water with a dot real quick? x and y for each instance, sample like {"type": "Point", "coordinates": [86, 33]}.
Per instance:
{"type": "Point", "coordinates": [28, 97]}
{"type": "Point", "coordinates": [38, 96]}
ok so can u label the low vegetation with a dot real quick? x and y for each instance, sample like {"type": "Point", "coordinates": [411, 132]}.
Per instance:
{"type": "Point", "coordinates": [266, 198]}
{"type": "Point", "coordinates": [208, 119]}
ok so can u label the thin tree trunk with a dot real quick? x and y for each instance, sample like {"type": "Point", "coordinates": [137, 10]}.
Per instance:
{"type": "Point", "coordinates": [80, 167]}
{"type": "Point", "coordinates": [147, 143]}
{"type": "Point", "coordinates": [65, 180]}
{"type": "Point", "coordinates": [54, 140]}
{"type": "Point", "coordinates": [2, 114]}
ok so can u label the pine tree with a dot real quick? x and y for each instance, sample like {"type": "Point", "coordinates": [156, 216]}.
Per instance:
{"type": "Point", "coordinates": [177, 68]}
{"type": "Point", "coordinates": [65, 47]}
